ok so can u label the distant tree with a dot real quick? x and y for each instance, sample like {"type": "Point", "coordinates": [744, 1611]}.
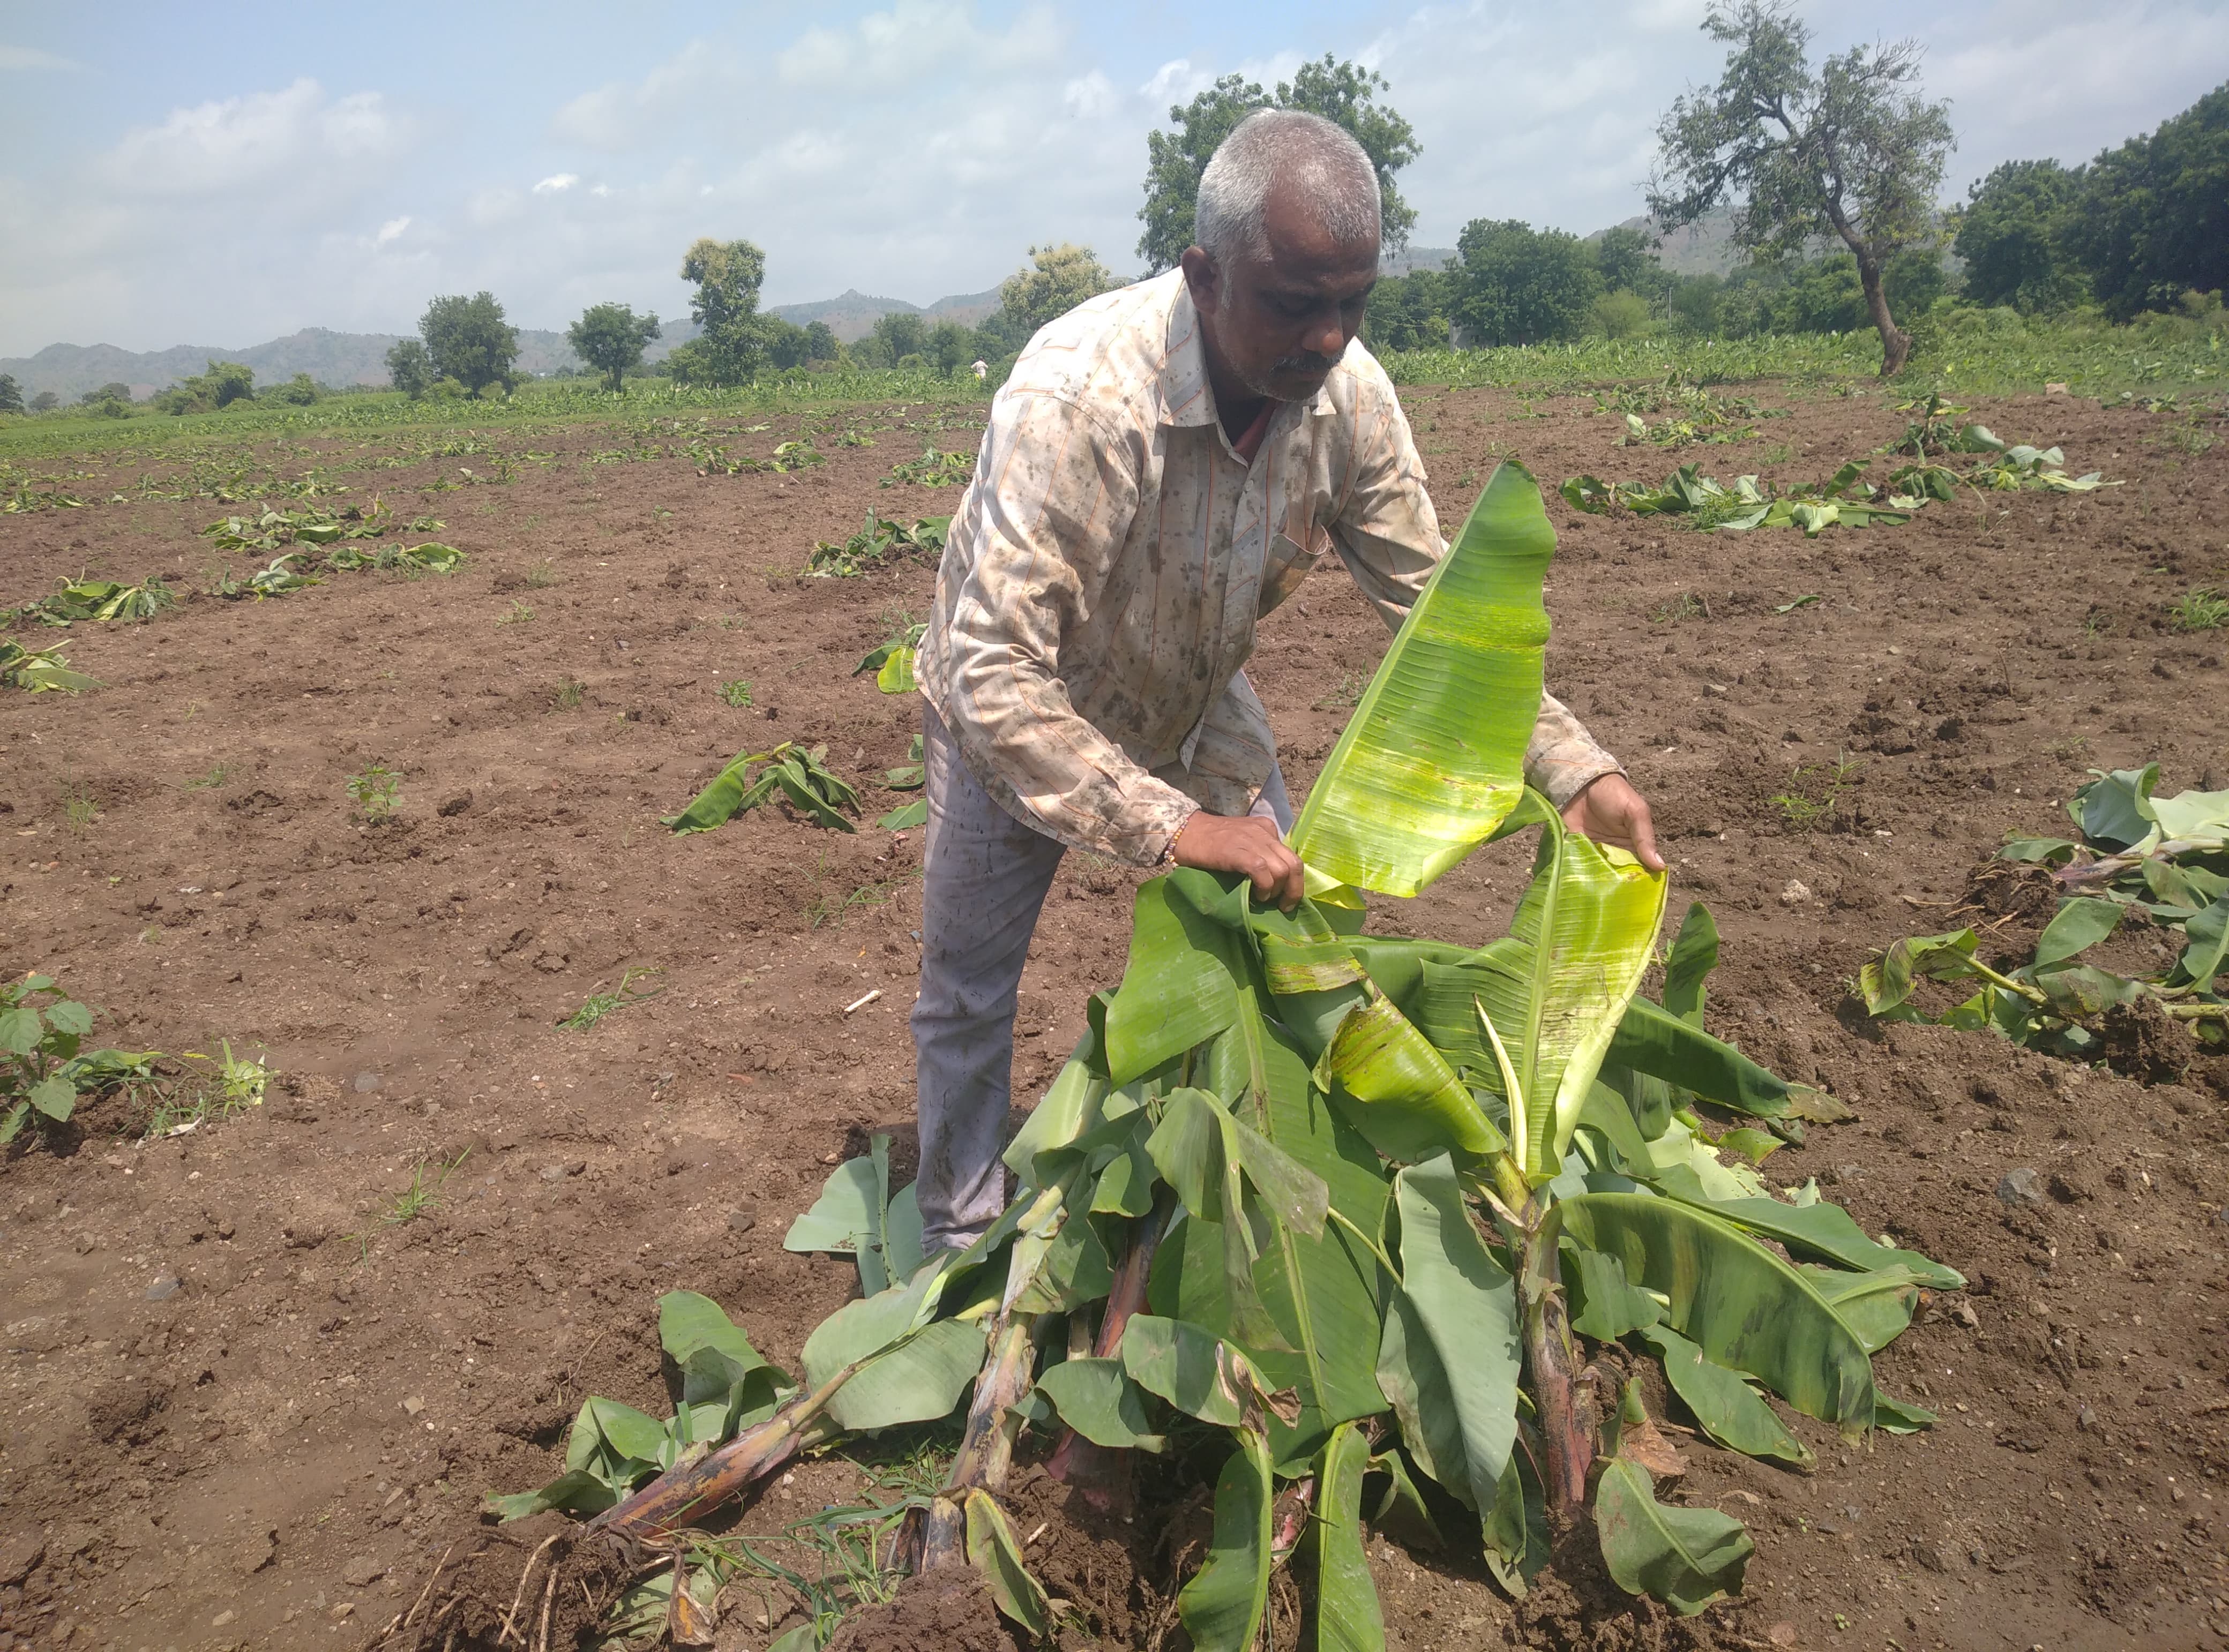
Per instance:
{"type": "Point", "coordinates": [1056, 279]}
{"type": "Point", "coordinates": [898, 334]}
{"type": "Point", "coordinates": [948, 346]}
{"type": "Point", "coordinates": [45, 402]}
{"type": "Point", "coordinates": [1693, 304]}
{"type": "Point", "coordinates": [409, 369]}
{"type": "Point", "coordinates": [112, 392]}
{"type": "Point", "coordinates": [785, 342]}
{"type": "Point", "coordinates": [2012, 237]}
{"type": "Point", "coordinates": [468, 340]}
{"type": "Point", "coordinates": [1626, 260]}
{"type": "Point", "coordinates": [1621, 314]}
{"type": "Point", "coordinates": [300, 391]}
{"type": "Point", "coordinates": [1520, 285]}
{"type": "Point", "coordinates": [610, 338]}
{"type": "Point", "coordinates": [2153, 221]}
{"type": "Point", "coordinates": [820, 343]}
{"type": "Point", "coordinates": [1344, 92]}
{"type": "Point", "coordinates": [732, 344]}
{"type": "Point", "coordinates": [1409, 312]}
{"type": "Point", "coordinates": [220, 386]}
{"type": "Point", "coordinates": [11, 394]}
{"type": "Point", "coordinates": [1851, 151]}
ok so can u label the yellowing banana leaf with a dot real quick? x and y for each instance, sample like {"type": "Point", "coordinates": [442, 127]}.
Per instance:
{"type": "Point", "coordinates": [1584, 931]}
{"type": "Point", "coordinates": [1221, 1605]}
{"type": "Point", "coordinates": [1741, 1304]}
{"type": "Point", "coordinates": [1409, 1102]}
{"type": "Point", "coordinates": [1433, 756]}
{"type": "Point", "coordinates": [1347, 1615]}
{"type": "Point", "coordinates": [995, 1550]}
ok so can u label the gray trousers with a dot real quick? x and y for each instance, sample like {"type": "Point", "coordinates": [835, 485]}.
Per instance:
{"type": "Point", "coordinates": [983, 879]}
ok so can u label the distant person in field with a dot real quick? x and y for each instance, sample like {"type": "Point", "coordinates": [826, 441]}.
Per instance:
{"type": "Point", "coordinates": [1162, 467]}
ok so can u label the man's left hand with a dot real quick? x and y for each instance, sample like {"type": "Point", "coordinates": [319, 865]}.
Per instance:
{"type": "Point", "coordinates": [1610, 812]}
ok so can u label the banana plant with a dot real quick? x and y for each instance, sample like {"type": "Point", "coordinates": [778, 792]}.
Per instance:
{"type": "Point", "coordinates": [1372, 1211]}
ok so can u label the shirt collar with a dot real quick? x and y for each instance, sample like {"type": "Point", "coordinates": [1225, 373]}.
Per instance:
{"type": "Point", "coordinates": [1186, 396]}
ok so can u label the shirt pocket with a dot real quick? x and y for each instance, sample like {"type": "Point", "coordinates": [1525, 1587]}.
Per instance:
{"type": "Point", "coordinates": [1286, 565]}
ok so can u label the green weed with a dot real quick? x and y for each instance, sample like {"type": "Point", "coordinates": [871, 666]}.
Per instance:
{"type": "Point", "coordinates": [2203, 608]}
{"type": "Point", "coordinates": [1816, 792]}
{"type": "Point", "coordinates": [539, 576]}
{"type": "Point", "coordinates": [566, 697]}
{"type": "Point", "coordinates": [424, 1191]}
{"type": "Point", "coordinates": [210, 781]}
{"type": "Point", "coordinates": [736, 693]}
{"type": "Point", "coordinates": [1349, 692]}
{"type": "Point", "coordinates": [521, 612]}
{"type": "Point", "coordinates": [373, 792]}
{"type": "Point", "coordinates": [598, 1005]}
{"type": "Point", "coordinates": [1686, 605]}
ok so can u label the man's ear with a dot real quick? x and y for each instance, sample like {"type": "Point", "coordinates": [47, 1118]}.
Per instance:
{"type": "Point", "coordinates": [1202, 276]}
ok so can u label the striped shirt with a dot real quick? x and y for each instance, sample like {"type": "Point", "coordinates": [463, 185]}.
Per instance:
{"type": "Point", "coordinates": [1107, 567]}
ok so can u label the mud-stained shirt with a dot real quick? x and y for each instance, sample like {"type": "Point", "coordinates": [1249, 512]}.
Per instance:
{"type": "Point", "coordinates": [1107, 565]}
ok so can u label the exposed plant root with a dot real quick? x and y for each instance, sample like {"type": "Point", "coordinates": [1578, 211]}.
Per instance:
{"type": "Point", "coordinates": [1102, 1476]}
{"type": "Point", "coordinates": [535, 1586]}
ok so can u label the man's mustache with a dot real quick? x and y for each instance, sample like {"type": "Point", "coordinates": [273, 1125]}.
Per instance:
{"type": "Point", "coordinates": [1307, 361]}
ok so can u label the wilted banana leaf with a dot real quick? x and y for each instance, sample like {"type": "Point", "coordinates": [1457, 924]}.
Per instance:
{"type": "Point", "coordinates": [1221, 1605]}
{"type": "Point", "coordinates": [1687, 1558]}
{"type": "Point", "coordinates": [1730, 1411]}
{"type": "Point", "coordinates": [1745, 1307]}
{"type": "Point", "coordinates": [1433, 756]}
{"type": "Point", "coordinates": [1347, 1615]}
{"type": "Point", "coordinates": [995, 1550]}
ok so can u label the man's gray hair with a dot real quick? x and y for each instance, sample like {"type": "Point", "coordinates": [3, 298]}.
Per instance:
{"type": "Point", "coordinates": [1318, 156]}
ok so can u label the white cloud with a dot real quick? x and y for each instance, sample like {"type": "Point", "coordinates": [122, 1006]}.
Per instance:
{"type": "Point", "coordinates": [619, 116]}
{"type": "Point", "coordinates": [390, 230]}
{"type": "Point", "coordinates": [30, 57]}
{"type": "Point", "coordinates": [231, 143]}
{"type": "Point", "coordinates": [557, 184]}
{"type": "Point", "coordinates": [1091, 97]}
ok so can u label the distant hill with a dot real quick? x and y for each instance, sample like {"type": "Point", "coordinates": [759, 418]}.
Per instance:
{"type": "Point", "coordinates": [1706, 247]}
{"type": "Point", "coordinates": [850, 316]}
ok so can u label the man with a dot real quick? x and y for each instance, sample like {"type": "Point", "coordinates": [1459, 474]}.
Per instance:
{"type": "Point", "coordinates": [1161, 469]}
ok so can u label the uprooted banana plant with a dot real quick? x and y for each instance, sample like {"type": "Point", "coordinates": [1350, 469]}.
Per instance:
{"type": "Point", "coordinates": [1370, 1206]}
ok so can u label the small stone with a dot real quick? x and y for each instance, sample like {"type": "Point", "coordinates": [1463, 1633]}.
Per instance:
{"type": "Point", "coordinates": [553, 1173]}
{"type": "Point", "coordinates": [574, 1166]}
{"type": "Point", "coordinates": [741, 1221]}
{"type": "Point", "coordinates": [452, 807]}
{"type": "Point", "coordinates": [2020, 1186]}
{"type": "Point", "coordinates": [1964, 1313]}
{"type": "Point", "coordinates": [414, 1404]}
{"type": "Point", "coordinates": [366, 1082]}
{"type": "Point", "coordinates": [361, 1570]}
{"type": "Point", "coordinates": [1929, 1557]}
{"type": "Point", "coordinates": [2086, 1420]}
{"type": "Point", "coordinates": [221, 1619]}
{"type": "Point", "coordinates": [166, 1286]}
{"type": "Point", "coordinates": [1781, 1634]}
{"type": "Point", "coordinates": [2067, 1188]}
{"type": "Point", "coordinates": [1795, 892]}
{"type": "Point", "coordinates": [345, 1610]}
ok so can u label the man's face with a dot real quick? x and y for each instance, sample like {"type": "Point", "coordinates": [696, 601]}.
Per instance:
{"type": "Point", "coordinates": [1279, 323]}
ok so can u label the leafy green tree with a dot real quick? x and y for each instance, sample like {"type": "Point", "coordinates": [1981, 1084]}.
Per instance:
{"type": "Point", "coordinates": [1694, 303]}
{"type": "Point", "coordinates": [1520, 285]}
{"type": "Point", "coordinates": [2012, 237]}
{"type": "Point", "coordinates": [727, 276]}
{"type": "Point", "coordinates": [820, 343]}
{"type": "Point", "coordinates": [409, 369]}
{"type": "Point", "coordinates": [950, 347]}
{"type": "Point", "coordinates": [610, 338]}
{"type": "Point", "coordinates": [11, 394]}
{"type": "Point", "coordinates": [112, 392]}
{"type": "Point", "coordinates": [1409, 312]}
{"type": "Point", "coordinates": [300, 391]}
{"type": "Point", "coordinates": [468, 340]}
{"type": "Point", "coordinates": [2153, 221]}
{"type": "Point", "coordinates": [1626, 258]}
{"type": "Point", "coordinates": [1056, 279]}
{"type": "Point", "coordinates": [1850, 151]}
{"type": "Point", "coordinates": [1346, 93]}
{"type": "Point", "coordinates": [1621, 314]}
{"type": "Point", "coordinates": [223, 384]}
{"type": "Point", "coordinates": [45, 402]}
{"type": "Point", "coordinates": [785, 342]}
{"type": "Point", "coordinates": [897, 334]}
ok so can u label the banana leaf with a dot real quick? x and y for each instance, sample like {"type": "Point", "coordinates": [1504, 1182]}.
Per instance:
{"type": "Point", "coordinates": [1221, 1605]}
{"type": "Point", "coordinates": [1347, 1615]}
{"type": "Point", "coordinates": [1434, 757]}
{"type": "Point", "coordinates": [1554, 992]}
{"type": "Point", "coordinates": [1741, 1304]}
{"type": "Point", "coordinates": [1730, 1412]}
{"type": "Point", "coordinates": [1687, 1558]}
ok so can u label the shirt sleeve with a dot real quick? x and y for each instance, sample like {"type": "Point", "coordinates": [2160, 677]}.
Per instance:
{"type": "Point", "coordinates": [1388, 534]}
{"type": "Point", "coordinates": [1055, 496]}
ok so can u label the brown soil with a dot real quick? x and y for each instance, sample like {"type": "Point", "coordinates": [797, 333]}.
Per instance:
{"type": "Point", "coordinates": [278, 1453]}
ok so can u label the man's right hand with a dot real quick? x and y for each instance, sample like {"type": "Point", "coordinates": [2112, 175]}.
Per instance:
{"type": "Point", "coordinates": [1248, 844]}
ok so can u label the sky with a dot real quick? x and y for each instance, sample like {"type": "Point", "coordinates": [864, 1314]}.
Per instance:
{"type": "Point", "coordinates": [226, 173]}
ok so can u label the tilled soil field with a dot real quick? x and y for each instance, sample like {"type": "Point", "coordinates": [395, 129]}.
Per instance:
{"type": "Point", "coordinates": [249, 1403]}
